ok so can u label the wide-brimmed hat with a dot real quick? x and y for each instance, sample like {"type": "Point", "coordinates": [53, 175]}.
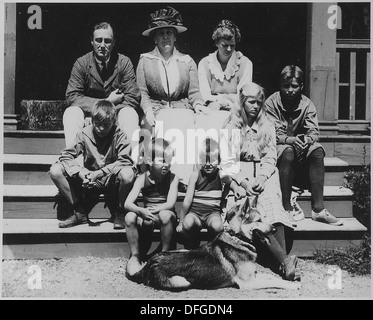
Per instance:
{"type": "Point", "coordinates": [165, 18]}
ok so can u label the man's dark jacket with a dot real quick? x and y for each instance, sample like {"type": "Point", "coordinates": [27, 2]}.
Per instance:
{"type": "Point", "coordinates": [85, 86]}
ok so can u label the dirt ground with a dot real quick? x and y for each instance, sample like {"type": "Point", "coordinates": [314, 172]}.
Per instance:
{"type": "Point", "coordinates": [98, 278]}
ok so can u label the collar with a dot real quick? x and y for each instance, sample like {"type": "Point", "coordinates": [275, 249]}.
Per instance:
{"type": "Point", "coordinates": [233, 65]}
{"type": "Point", "coordinates": [302, 103]}
{"type": "Point", "coordinates": [254, 127]}
{"type": "Point", "coordinates": [99, 62]}
{"type": "Point", "coordinates": [176, 55]}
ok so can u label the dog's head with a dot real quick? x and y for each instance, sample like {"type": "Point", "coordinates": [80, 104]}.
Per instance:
{"type": "Point", "coordinates": [245, 222]}
{"type": "Point", "coordinates": [257, 229]}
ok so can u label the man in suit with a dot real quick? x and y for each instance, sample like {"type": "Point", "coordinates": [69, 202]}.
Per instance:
{"type": "Point", "coordinates": [102, 74]}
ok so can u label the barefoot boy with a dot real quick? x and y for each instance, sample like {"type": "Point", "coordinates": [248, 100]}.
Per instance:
{"type": "Point", "coordinates": [159, 187]}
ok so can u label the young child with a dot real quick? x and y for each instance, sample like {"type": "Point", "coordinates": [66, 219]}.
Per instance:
{"type": "Point", "coordinates": [107, 168]}
{"type": "Point", "coordinates": [202, 203]}
{"type": "Point", "coordinates": [300, 156]}
{"type": "Point", "coordinates": [159, 187]}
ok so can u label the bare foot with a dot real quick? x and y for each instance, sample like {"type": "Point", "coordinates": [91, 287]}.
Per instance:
{"type": "Point", "coordinates": [133, 266]}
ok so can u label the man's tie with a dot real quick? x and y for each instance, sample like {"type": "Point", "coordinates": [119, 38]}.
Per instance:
{"type": "Point", "coordinates": [103, 71]}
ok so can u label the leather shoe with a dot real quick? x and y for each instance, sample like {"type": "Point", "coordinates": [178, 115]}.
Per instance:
{"type": "Point", "coordinates": [76, 219]}
{"type": "Point", "coordinates": [288, 268]}
{"type": "Point", "coordinates": [119, 221]}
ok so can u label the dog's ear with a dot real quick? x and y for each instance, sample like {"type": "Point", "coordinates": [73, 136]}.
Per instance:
{"type": "Point", "coordinates": [252, 216]}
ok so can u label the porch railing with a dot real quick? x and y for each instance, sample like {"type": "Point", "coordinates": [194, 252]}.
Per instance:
{"type": "Point", "coordinates": [353, 79]}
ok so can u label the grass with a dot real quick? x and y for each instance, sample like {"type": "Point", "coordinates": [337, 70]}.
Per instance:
{"type": "Point", "coordinates": [354, 259]}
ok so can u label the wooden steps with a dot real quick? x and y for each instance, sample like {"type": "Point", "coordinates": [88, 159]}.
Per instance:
{"type": "Point", "coordinates": [350, 148]}
{"type": "Point", "coordinates": [36, 201]}
{"type": "Point", "coordinates": [41, 238]}
{"type": "Point", "coordinates": [30, 225]}
{"type": "Point", "coordinates": [33, 168]}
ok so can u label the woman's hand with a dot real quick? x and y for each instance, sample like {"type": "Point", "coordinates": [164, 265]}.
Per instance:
{"type": "Point", "coordinates": [150, 117]}
{"type": "Point", "coordinates": [199, 108]}
{"type": "Point", "coordinates": [258, 185]}
{"type": "Point", "coordinates": [248, 185]}
{"type": "Point", "coordinates": [214, 106]}
{"type": "Point", "coordinates": [226, 104]}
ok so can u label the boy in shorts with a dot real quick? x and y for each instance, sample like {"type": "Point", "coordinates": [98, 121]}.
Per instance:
{"type": "Point", "coordinates": [300, 155]}
{"type": "Point", "coordinates": [202, 203]}
{"type": "Point", "coordinates": [159, 188]}
{"type": "Point", "coordinates": [107, 168]}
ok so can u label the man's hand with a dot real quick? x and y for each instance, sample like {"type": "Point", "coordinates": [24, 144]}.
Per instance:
{"type": "Point", "coordinates": [115, 97]}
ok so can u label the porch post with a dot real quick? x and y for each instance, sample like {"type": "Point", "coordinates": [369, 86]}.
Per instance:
{"type": "Point", "coordinates": [321, 83]}
{"type": "Point", "coordinates": [10, 118]}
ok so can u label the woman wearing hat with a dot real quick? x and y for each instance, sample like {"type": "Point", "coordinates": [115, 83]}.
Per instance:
{"type": "Point", "coordinates": [168, 81]}
{"type": "Point", "coordinates": [222, 73]}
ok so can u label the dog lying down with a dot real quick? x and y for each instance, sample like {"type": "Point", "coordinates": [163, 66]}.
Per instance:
{"type": "Point", "coordinates": [228, 260]}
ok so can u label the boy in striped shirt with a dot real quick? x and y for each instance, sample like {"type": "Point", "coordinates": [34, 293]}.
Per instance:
{"type": "Point", "coordinates": [202, 203]}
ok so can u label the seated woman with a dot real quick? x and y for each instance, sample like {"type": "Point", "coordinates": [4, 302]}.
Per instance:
{"type": "Point", "coordinates": [253, 166]}
{"type": "Point", "coordinates": [168, 81]}
{"type": "Point", "coordinates": [221, 74]}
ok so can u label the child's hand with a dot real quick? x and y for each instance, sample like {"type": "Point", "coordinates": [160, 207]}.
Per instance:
{"type": "Point", "coordinates": [239, 193]}
{"type": "Point", "coordinates": [147, 215]}
{"type": "Point", "coordinates": [83, 175]}
{"type": "Point", "coordinates": [179, 227]}
{"type": "Point", "coordinates": [94, 175]}
{"type": "Point", "coordinates": [301, 142]}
